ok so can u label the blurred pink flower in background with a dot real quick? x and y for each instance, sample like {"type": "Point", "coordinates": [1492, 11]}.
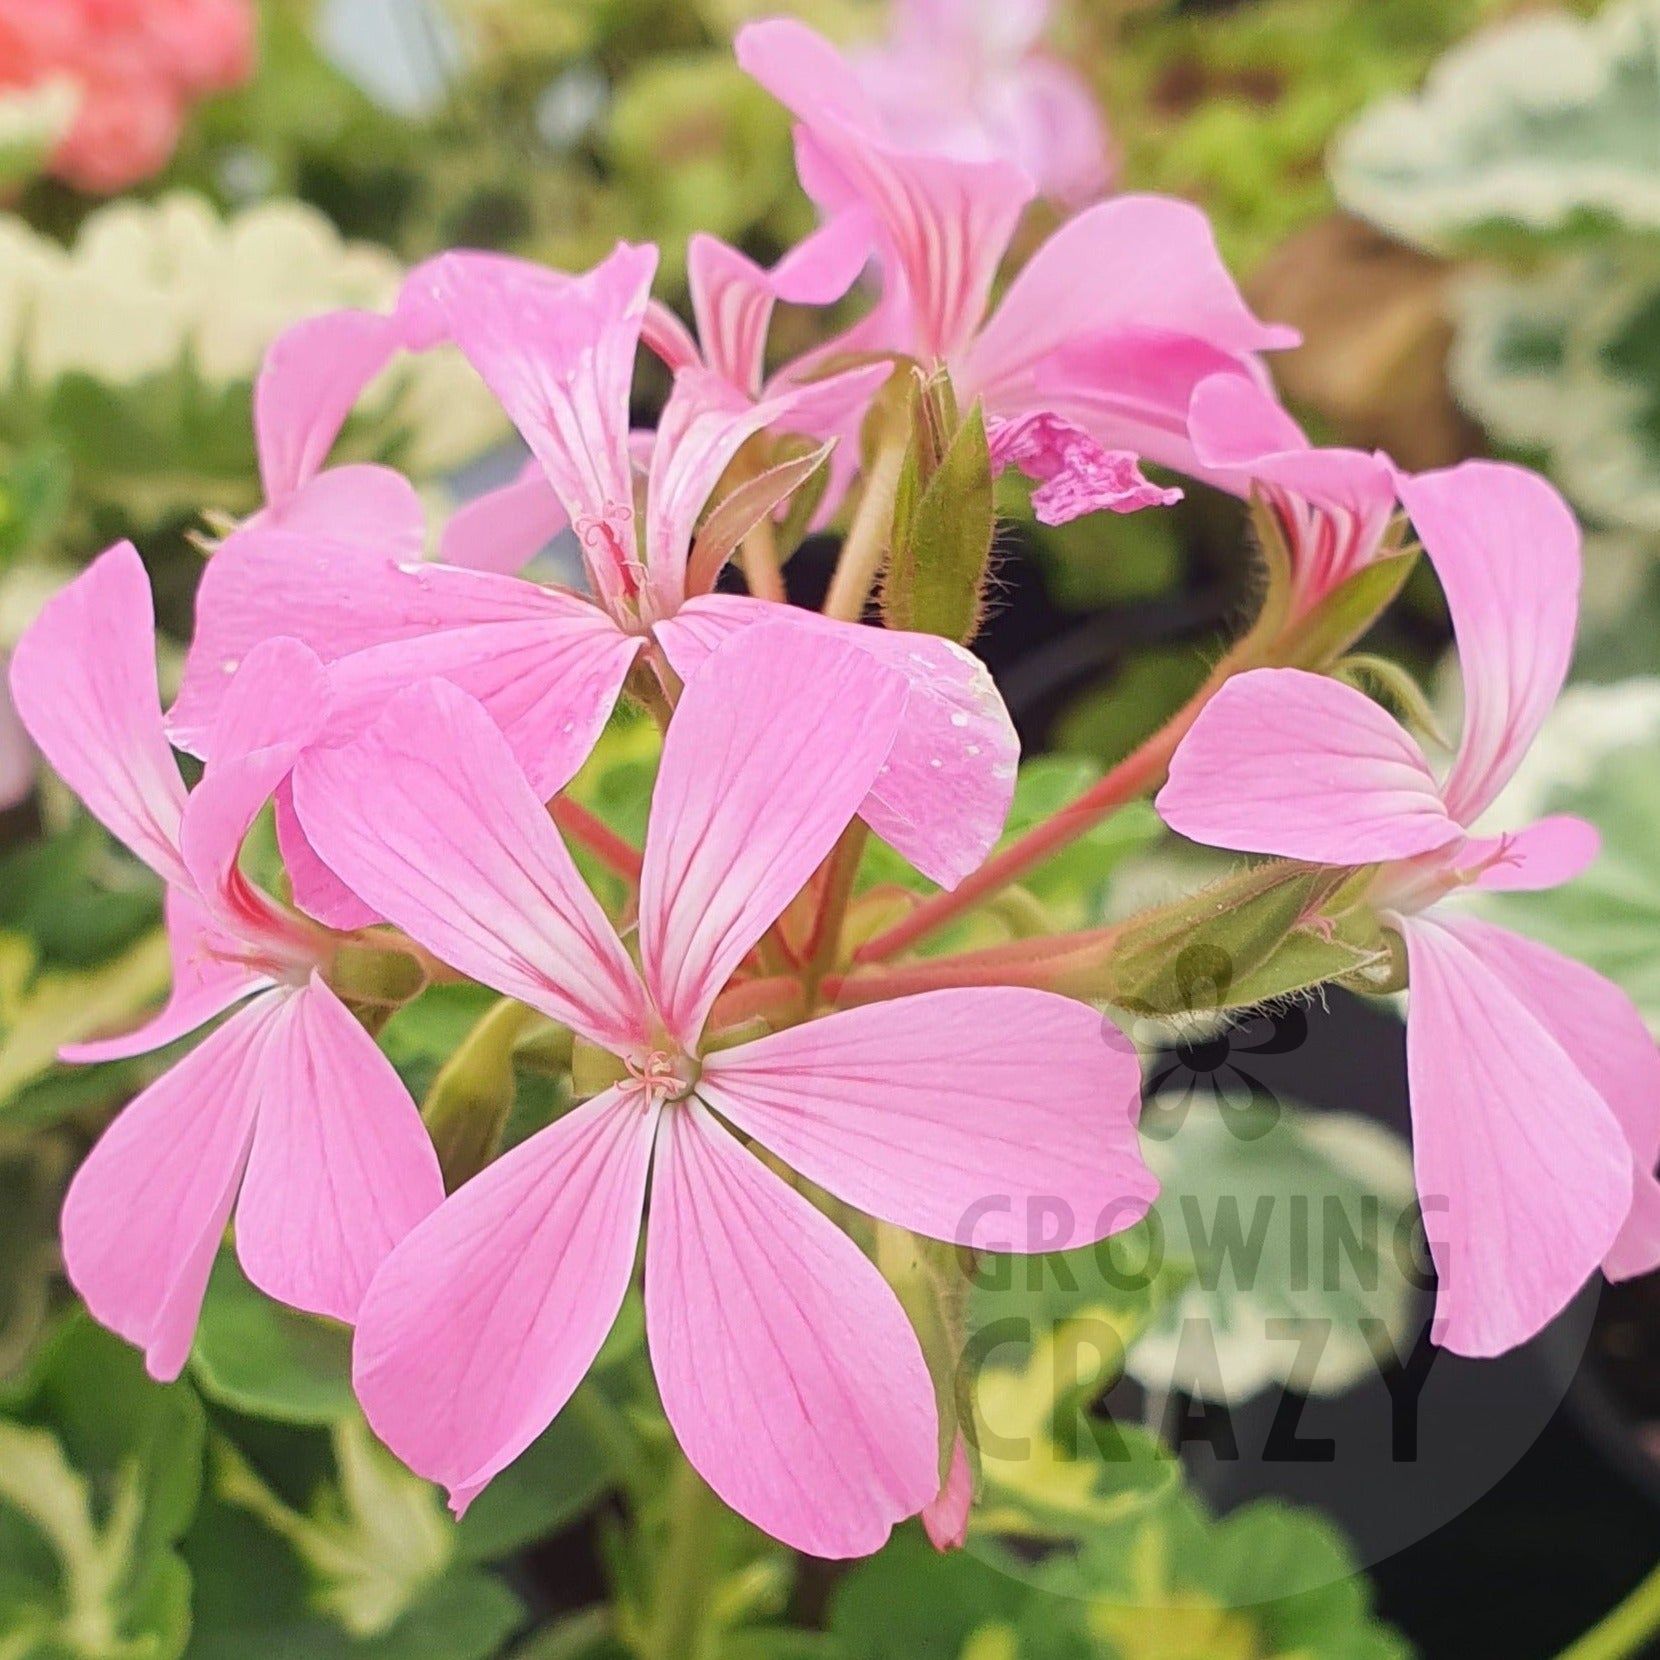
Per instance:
{"type": "Point", "coordinates": [136, 66]}
{"type": "Point", "coordinates": [971, 79]}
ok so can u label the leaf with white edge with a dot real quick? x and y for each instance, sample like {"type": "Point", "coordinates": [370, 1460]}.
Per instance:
{"type": "Point", "coordinates": [1296, 1231]}
{"type": "Point", "coordinates": [1548, 125]}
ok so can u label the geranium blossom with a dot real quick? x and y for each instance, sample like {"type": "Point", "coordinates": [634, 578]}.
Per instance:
{"type": "Point", "coordinates": [336, 562]}
{"type": "Point", "coordinates": [1109, 326]}
{"type": "Point", "coordinates": [786, 1367]}
{"type": "Point", "coordinates": [971, 79]}
{"type": "Point", "coordinates": [289, 1102]}
{"type": "Point", "coordinates": [1535, 1087]}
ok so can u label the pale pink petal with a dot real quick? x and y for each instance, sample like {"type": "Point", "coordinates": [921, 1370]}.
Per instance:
{"type": "Point", "coordinates": [481, 1324]}
{"type": "Point", "coordinates": [316, 889]}
{"type": "Point", "coordinates": [1524, 1174]}
{"type": "Point", "coordinates": [1506, 548]}
{"type": "Point", "coordinates": [704, 424]}
{"type": "Point", "coordinates": [1286, 762]}
{"type": "Point", "coordinates": [558, 352]}
{"type": "Point", "coordinates": [146, 1210]}
{"type": "Point", "coordinates": [429, 820]}
{"type": "Point", "coordinates": [1074, 473]}
{"type": "Point", "coordinates": [943, 796]}
{"type": "Point", "coordinates": [663, 334]}
{"type": "Point", "coordinates": [773, 746]}
{"type": "Point", "coordinates": [1602, 1033]}
{"type": "Point", "coordinates": [999, 1118]}
{"type": "Point", "coordinates": [503, 530]}
{"type": "Point", "coordinates": [83, 678]}
{"type": "Point", "coordinates": [1142, 263]}
{"type": "Point", "coordinates": [788, 1371]}
{"type": "Point", "coordinates": [207, 980]}
{"type": "Point", "coordinates": [341, 1167]}
{"type": "Point", "coordinates": [336, 572]}
{"type": "Point", "coordinates": [1544, 855]}
{"type": "Point", "coordinates": [945, 224]}
{"type": "Point", "coordinates": [1050, 123]}
{"type": "Point", "coordinates": [945, 1517]}
{"type": "Point", "coordinates": [312, 376]}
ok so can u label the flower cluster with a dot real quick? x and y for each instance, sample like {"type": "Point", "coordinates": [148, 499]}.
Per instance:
{"type": "Point", "coordinates": [763, 1081]}
{"type": "Point", "coordinates": [134, 67]}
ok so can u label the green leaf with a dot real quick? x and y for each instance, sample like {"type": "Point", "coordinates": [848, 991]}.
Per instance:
{"type": "Point", "coordinates": [257, 1356]}
{"type": "Point", "coordinates": [944, 520]}
{"type": "Point", "coordinates": [1546, 126]}
{"type": "Point", "coordinates": [75, 899]}
{"type": "Point", "coordinates": [1291, 1232]}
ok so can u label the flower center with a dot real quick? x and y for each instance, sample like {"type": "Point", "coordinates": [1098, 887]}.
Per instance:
{"type": "Point", "coordinates": [665, 1075]}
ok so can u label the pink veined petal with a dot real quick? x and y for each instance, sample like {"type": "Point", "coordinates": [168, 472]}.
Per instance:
{"type": "Point", "coordinates": [1602, 1033]}
{"type": "Point", "coordinates": [943, 795]}
{"type": "Point", "coordinates": [313, 374]}
{"type": "Point", "coordinates": [998, 1118]}
{"type": "Point", "coordinates": [83, 678]}
{"type": "Point", "coordinates": [503, 530]}
{"type": "Point", "coordinates": [788, 1371]}
{"type": "Point", "coordinates": [207, 980]}
{"type": "Point", "coordinates": [1290, 763]}
{"type": "Point", "coordinates": [1075, 474]}
{"type": "Point", "coordinates": [1524, 1174]}
{"type": "Point", "coordinates": [145, 1213]}
{"type": "Point", "coordinates": [705, 423]}
{"type": "Point", "coordinates": [1146, 263]}
{"type": "Point", "coordinates": [772, 748]}
{"type": "Point", "coordinates": [317, 890]}
{"type": "Point", "coordinates": [945, 223]}
{"type": "Point", "coordinates": [341, 1166]}
{"type": "Point", "coordinates": [1506, 548]}
{"type": "Point", "coordinates": [482, 1322]}
{"type": "Point", "coordinates": [674, 345]}
{"type": "Point", "coordinates": [945, 1516]}
{"type": "Point", "coordinates": [334, 572]}
{"type": "Point", "coordinates": [558, 352]}
{"type": "Point", "coordinates": [428, 819]}
{"type": "Point", "coordinates": [1543, 855]}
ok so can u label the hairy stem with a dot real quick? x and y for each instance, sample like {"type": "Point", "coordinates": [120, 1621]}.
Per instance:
{"type": "Point", "coordinates": [1626, 1629]}
{"type": "Point", "coordinates": [597, 836]}
{"type": "Point", "coordinates": [759, 556]}
{"type": "Point", "coordinates": [867, 537]}
{"type": "Point", "coordinates": [840, 874]}
{"type": "Point", "coordinates": [685, 1573]}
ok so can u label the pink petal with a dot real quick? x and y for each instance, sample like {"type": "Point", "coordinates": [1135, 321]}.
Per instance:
{"type": "Point", "coordinates": [704, 424]}
{"type": "Point", "coordinates": [999, 1118]}
{"type": "Point", "coordinates": [312, 376]}
{"type": "Point", "coordinates": [1602, 1033]}
{"type": "Point", "coordinates": [503, 530]}
{"type": "Point", "coordinates": [428, 819]}
{"type": "Point", "coordinates": [481, 1324]}
{"type": "Point", "coordinates": [333, 572]}
{"type": "Point", "coordinates": [788, 1371]}
{"type": "Point", "coordinates": [944, 795]}
{"type": "Point", "coordinates": [1506, 549]}
{"type": "Point", "coordinates": [1143, 263]}
{"type": "Point", "coordinates": [772, 748]}
{"type": "Point", "coordinates": [83, 678]}
{"type": "Point", "coordinates": [207, 980]}
{"type": "Point", "coordinates": [1524, 1174]}
{"type": "Point", "coordinates": [558, 352]}
{"type": "Point", "coordinates": [663, 334]}
{"type": "Point", "coordinates": [1053, 127]}
{"type": "Point", "coordinates": [945, 1517]}
{"type": "Point", "coordinates": [146, 1210]}
{"type": "Point", "coordinates": [341, 1167]}
{"type": "Point", "coordinates": [945, 224]}
{"type": "Point", "coordinates": [1286, 762]}
{"type": "Point", "coordinates": [1544, 855]}
{"type": "Point", "coordinates": [1076, 475]}
{"type": "Point", "coordinates": [316, 889]}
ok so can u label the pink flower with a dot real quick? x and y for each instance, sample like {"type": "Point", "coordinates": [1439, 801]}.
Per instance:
{"type": "Point", "coordinates": [289, 1102]}
{"type": "Point", "coordinates": [137, 65]}
{"type": "Point", "coordinates": [1535, 1087]}
{"type": "Point", "coordinates": [971, 79]}
{"type": "Point", "coordinates": [1109, 327]}
{"type": "Point", "coordinates": [335, 561]}
{"type": "Point", "coordinates": [785, 1365]}
{"type": "Point", "coordinates": [1333, 505]}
